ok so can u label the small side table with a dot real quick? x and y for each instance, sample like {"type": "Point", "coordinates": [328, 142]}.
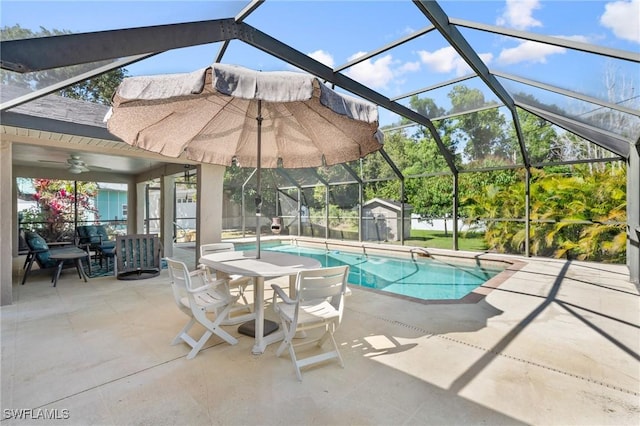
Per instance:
{"type": "Point", "coordinates": [76, 255]}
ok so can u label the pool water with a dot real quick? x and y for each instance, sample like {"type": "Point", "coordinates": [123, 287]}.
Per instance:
{"type": "Point", "coordinates": [421, 278]}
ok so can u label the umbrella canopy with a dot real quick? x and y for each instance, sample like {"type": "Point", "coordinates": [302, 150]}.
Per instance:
{"type": "Point", "coordinates": [210, 116]}
{"type": "Point", "coordinates": [224, 114]}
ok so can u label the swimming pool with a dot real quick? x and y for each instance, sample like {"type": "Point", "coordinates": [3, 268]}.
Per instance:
{"type": "Point", "coordinates": [415, 277]}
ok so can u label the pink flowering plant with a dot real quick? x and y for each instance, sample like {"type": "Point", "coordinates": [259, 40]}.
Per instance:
{"type": "Point", "coordinates": [54, 215]}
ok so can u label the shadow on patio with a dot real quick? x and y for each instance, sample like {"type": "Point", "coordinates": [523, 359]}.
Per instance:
{"type": "Point", "coordinates": [556, 343]}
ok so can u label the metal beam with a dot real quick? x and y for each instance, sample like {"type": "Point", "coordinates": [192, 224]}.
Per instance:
{"type": "Point", "coordinates": [435, 86]}
{"type": "Point", "coordinates": [602, 138]}
{"type": "Point", "coordinates": [71, 49]}
{"type": "Point", "coordinates": [470, 111]}
{"type": "Point", "coordinates": [70, 81]}
{"type": "Point", "coordinates": [354, 175]}
{"type": "Point", "coordinates": [248, 10]}
{"type": "Point", "coordinates": [273, 47]}
{"type": "Point", "coordinates": [569, 93]}
{"type": "Point", "coordinates": [456, 208]}
{"type": "Point", "coordinates": [554, 41]}
{"type": "Point", "coordinates": [42, 53]}
{"type": "Point", "coordinates": [437, 16]}
{"type": "Point", "coordinates": [240, 17]}
{"type": "Point", "coordinates": [633, 216]}
{"type": "Point", "coordinates": [383, 49]}
{"type": "Point", "coordinates": [527, 212]}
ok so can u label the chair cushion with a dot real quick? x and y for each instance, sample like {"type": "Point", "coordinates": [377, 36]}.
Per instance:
{"type": "Point", "coordinates": [102, 232]}
{"type": "Point", "coordinates": [36, 243]}
{"type": "Point", "coordinates": [108, 246]}
{"type": "Point", "coordinates": [88, 234]}
{"type": "Point", "coordinates": [82, 231]}
{"type": "Point", "coordinates": [93, 235]}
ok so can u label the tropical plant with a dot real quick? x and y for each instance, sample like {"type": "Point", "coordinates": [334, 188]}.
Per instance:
{"type": "Point", "coordinates": [581, 214]}
{"type": "Point", "coordinates": [575, 212]}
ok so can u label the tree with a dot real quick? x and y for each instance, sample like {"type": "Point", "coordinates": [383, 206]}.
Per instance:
{"type": "Point", "coordinates": [58, 202]}
{"type": "Point", "coordinates": [99, 89]}
{"type": "Point", "coordinates": [481, 133]}
{"type": "Point", "coordinates": [415, 156]}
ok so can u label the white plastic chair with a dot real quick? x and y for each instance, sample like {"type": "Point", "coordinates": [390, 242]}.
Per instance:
{"type": "Point", "coordinates": [197, 296]}
{"type": "Point", "coordinates": [319, 303]}
{"type": "Point", "coordinates": [236, 282]}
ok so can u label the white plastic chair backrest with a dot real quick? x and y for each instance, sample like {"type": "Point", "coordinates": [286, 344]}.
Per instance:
{"type": "Point", "coordinates": [179, 276]}
{"type": "Point", "coordinates": [215, 248]}
{"type": "Point", "coordinates": [316, 285]}
{"type": "Point", "coordinates": [182, 283]}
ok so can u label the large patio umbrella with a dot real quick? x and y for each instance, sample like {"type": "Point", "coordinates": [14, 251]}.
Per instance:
{"type": "Point", "coordinates": [226, 114]}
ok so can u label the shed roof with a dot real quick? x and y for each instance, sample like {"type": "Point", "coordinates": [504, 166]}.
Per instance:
{"type": "Point", "coordinates": [391, 204]}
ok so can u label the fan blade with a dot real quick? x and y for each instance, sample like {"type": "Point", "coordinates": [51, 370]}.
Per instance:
{"type": "Point", "coordinates": [92, 167]}
{"type": "Point", "coordinates": [52, 161]}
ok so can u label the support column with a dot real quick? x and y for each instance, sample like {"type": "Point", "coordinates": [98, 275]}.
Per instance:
{"type": "Point", "coordinates": [138, 198]}
{"type": "Point", "coordinates": [209, 207]}
{"type": "Point", "coordinates": [7, 232]}
{"type": "Point", "coordinates": [167, 213]}
{"type": "Point", "coordinates": [326, 205]}
{"type": "Point", "coordinates": [299, 211]}
{"type": "Point", "coordinates": [360, 203]}
{"type": "Point", "coordinates": [633, 215]}
{"type": "Point", "coordinates": [403, 197]}
{"type": "Point", "coordinates": [456, 204]}
{"type": "Point", "coordinates": [527, 212]}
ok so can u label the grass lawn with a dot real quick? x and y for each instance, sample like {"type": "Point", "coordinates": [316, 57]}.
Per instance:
{"type": "Point", "coordinates": [437, 239]}
{"type": "Point", "coordinates": [419, 238]}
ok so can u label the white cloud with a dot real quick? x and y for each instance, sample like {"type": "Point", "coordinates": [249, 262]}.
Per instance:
{"type": "Point", "coordinates": [408, 67]}
{"type": "Point", "coordinates": [623, 18]}
{"type": "Point", "coordinates": [529, 51]}
{"type": "Point", "coordinates": [442, 60]}
{"type": "Point", "coordinates": [519, 14]}
{"type": "Point", "coordinates": [374, 74]}
{"type": "Point", "coordinates": [446, 60]}
{"type": "Point", "coordinates": [323, 57]}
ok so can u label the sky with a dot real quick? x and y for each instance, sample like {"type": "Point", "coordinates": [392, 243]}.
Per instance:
{"type": "Point", "coordinates": [335, 33]}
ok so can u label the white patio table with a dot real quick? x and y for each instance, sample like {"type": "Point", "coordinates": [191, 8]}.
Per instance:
{"type": "Point", "coordinates": [270, 265]}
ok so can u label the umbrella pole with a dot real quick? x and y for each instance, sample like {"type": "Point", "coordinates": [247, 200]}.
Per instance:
{"type": "Point", "coordinates": [258, 188]}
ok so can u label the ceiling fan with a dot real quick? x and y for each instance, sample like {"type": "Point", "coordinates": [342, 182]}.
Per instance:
{"type": "Point", "coordinates": [76, 165]}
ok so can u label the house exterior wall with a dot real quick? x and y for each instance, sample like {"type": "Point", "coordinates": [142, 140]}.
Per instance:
{"type": "Point", "coordinates": [112, 204]}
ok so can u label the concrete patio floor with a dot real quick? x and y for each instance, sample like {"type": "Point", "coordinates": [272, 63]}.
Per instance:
{"type": "Point", "coordinates": [558, 343]}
